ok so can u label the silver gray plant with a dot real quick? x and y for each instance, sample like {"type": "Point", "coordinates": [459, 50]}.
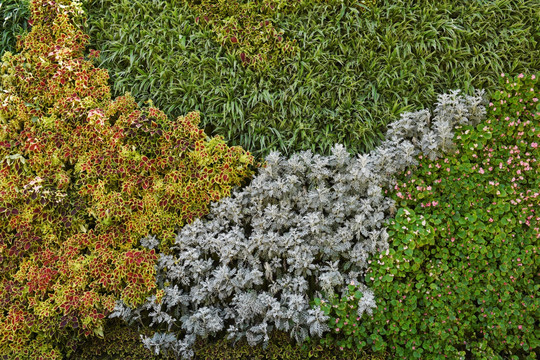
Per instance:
{"type": "Point", "coordinates": [304, 227]}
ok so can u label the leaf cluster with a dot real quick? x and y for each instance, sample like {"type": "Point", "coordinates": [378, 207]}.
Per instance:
{"type": "Point", "coordinates": [344, 314]}
{"type": "Point", "coordinates": [14, 16]}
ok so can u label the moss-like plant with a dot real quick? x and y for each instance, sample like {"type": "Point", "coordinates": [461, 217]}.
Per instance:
{"type": "Point", "coordinates": [82, 180]}
{"type": "Point", "coordinates": [460, 279]}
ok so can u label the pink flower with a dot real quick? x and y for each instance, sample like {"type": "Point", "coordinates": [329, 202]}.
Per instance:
{"type": "Point", "coordinates": [534, 145]}
{"type": "Point", "coordinates": [533, 77]}
{"type": "Point", "coordinates": [521, 76]}
{"type": "Point", "coordinates": [502, 75]}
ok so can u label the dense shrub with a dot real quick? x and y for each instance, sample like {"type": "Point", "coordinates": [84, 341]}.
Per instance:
{"type": "Point", "coordinates": [14, 16]}
{"type": "Point", "coordinates": [82, 180]}
{"type": "Point", "coordinates": [356, 71]}
{"type": "Point", "coordinates": [460, 279]}
{"type": "Point", "coordinates": [304, 226]}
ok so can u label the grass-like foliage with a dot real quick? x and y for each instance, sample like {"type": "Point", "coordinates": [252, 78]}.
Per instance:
{"type": "Point", "coordinates": [247, 30]}
{"type": "Point", "coordinates": [244, 28]}
{"type": "Point", "coordinates": [460, 279]}
{"type": "Point", "coordinates": [14, 16]}
{"type": "Point", "coordinates": [82, 180]}
{"type": "Point", "coordinates": [355, 71]}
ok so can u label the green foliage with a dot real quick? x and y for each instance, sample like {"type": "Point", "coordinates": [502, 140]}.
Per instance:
{"type": "Point", "coordinates": [247, 28]}
{"type": "Point", "coordinates": [280, 347]}
{"type": "Point", "coordinates": [14, 16]}
{"type": "Point", "coordinates": [82, 180]}
{"type": "Point", "coordinates": [461, 277]}
{"type": "Point", "coordinates": [355, 72]}
{"type": "Point", "coordinates": [120, 342]}
{"type": "Point", "coordinates": [344, 319]}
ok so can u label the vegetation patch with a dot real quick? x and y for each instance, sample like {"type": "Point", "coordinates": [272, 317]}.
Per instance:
{"type": "Point", "coordinates": [356, 69]}
{"type": "Point", "coordinates": [14, 15]}
{"type": "Point", "coordinates": [305, 226]}
{"type": "Point", "coordinates": [82, 180]}
{"type": "Point", "coordinates": [460, 279]}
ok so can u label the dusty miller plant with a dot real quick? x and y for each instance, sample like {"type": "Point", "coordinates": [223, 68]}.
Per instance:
{"type": "Point", "coordinates": [304, 227]}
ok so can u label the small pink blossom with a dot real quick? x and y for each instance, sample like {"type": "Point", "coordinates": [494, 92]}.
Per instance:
{"type": "Point", "coordinates": [521, 76]}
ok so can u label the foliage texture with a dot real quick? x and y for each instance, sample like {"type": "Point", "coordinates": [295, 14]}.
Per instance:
{"type": "Point", "coordinates": [120, 342]}
{"type": "Point", "coordinates": [355, 71]}
{"type": "Point", "coordinates": [460, 279]}
{"type": "Point", "coordinates": [247, 28]}
{"type": "Point", "coordinates": [280, 347]}
{"type": "Point", "coordinates": [14, 16]}
{"type": "Point", "coordinates": [305, 226]}
{"type": "Point", "coordinates": [82, 180]}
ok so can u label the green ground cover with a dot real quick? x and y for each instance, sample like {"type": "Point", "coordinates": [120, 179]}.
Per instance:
{"type": "Point", "coordinates": [354, 72]}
